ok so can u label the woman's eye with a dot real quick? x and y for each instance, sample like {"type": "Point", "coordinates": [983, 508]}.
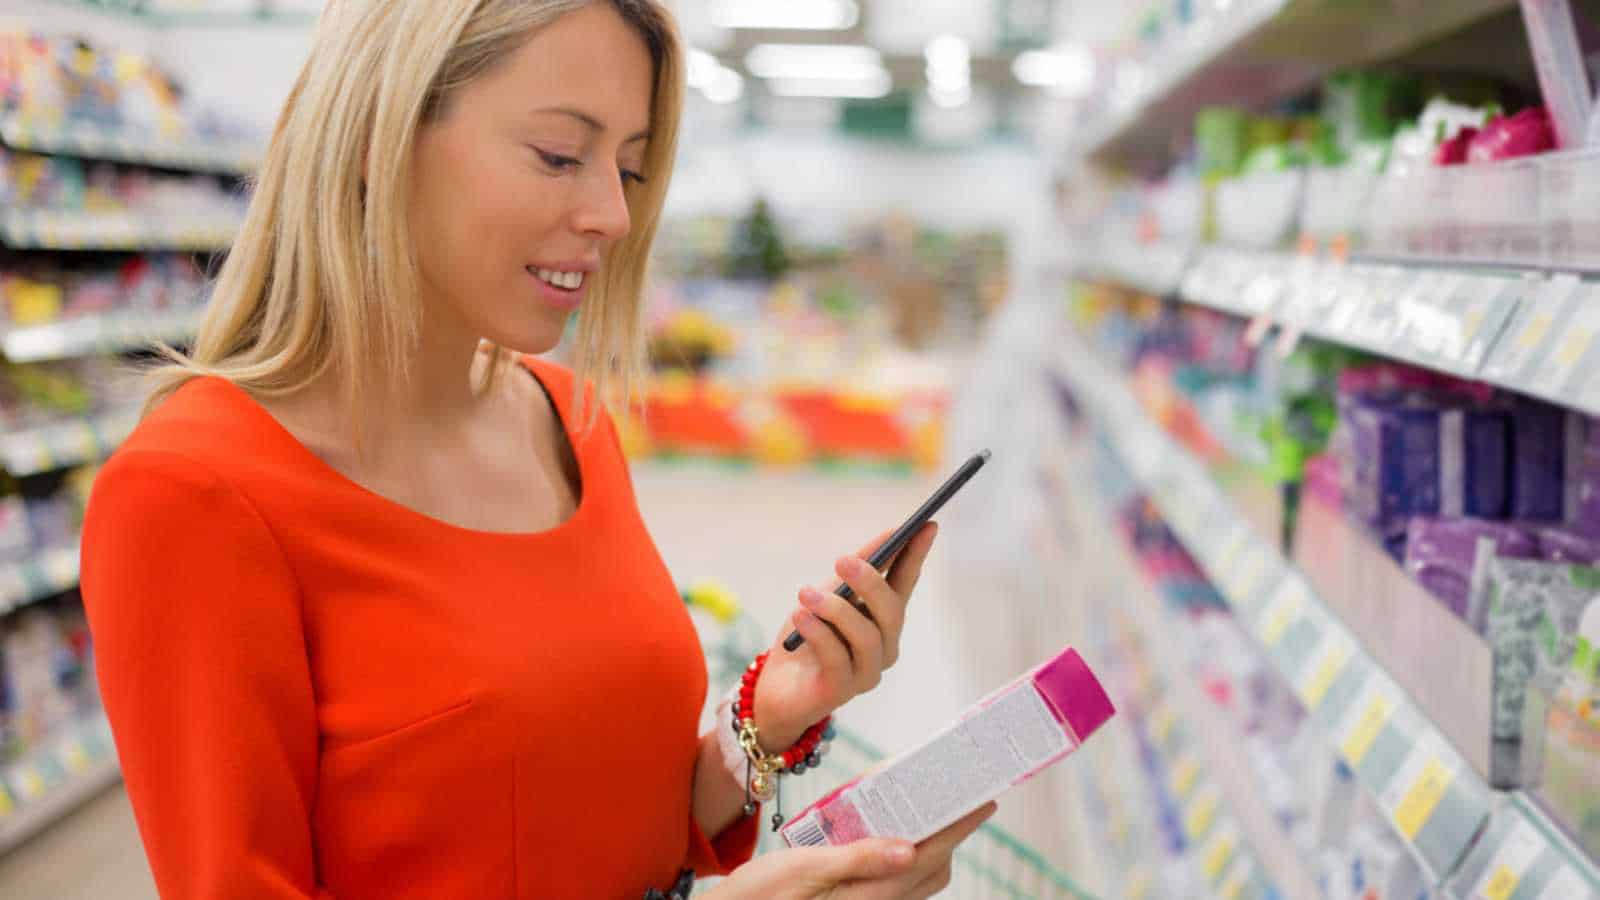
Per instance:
{"type": "Point", "coordinates": [558, 162]}
{"type": "Point", "coordinates": [632, 177]}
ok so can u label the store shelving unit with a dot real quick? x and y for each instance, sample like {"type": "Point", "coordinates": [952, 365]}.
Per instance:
{"type": "Point", "coordinates": [88, 141]}
{"type": "Point", "coordinates": [1207, 746]}
{"type": "Point", "coordinates": [137, 11]}
{"type": "Point", "coordinates": [51, 782]}
{"type": "Point", "coordinates": [111, 332]}
{"type": "Point", "coordinates": [75, 230]}
{"type": "Point", "coordinates": [1390, 722]}
{"type": "Point", "coordinates": [1251, 52]}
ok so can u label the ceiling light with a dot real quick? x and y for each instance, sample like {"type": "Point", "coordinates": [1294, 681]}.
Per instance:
{"type": "Point", "coordinates": [727, 86]}
{"type": "Point", "coordinates": [850, 88]}
{"type": "Point", "coordinates": [948, 52]}
{"type": "Point", "coordinates": [800, 15]}
{"type": "Point", "coordinates": [1069, 71]}
{"type": "Point", "coordinates": [710, 77]}
{"type": "Point", "coordinates": [822, 61]}
{"type": "Point", "coordinates": [950, 98]}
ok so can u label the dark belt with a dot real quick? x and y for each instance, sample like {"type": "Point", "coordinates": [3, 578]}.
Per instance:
{"type": "Point", "coordinates": [680, 889]}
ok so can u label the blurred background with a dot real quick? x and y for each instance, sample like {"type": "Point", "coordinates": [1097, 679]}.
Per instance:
{"type": "Point", "coordinates": [1278, 316]}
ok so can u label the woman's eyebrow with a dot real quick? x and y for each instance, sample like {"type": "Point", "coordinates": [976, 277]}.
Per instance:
{"type": "Point", "coordinates": [590, 122]}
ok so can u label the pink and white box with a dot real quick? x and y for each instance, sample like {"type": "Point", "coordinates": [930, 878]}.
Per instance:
{"type": "Point", "coordinates": [1001, 741]}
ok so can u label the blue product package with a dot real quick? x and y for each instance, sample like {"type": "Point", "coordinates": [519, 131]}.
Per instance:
{"type": "Point", "coordinates": [1546, 455]}
{"type": "Point", "coordinates": [1394, 449]}
{"type": "Point", "coordinates": [1474, 462]}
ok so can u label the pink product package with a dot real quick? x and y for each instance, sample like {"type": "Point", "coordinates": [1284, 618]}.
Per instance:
{"type": "Point", "coordinates": [1001, 741]}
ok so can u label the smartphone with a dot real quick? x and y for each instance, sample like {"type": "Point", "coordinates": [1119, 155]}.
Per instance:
{"type": "Point", "coordinates": [886, 551]}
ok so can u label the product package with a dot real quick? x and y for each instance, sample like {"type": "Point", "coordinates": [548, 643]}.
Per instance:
{"type": "Point", "coordinates": [1440, 554]}
{"type": "Point", "coordinates": [1530, 612]}
{"type": "Point", "coordinates": [1003, 740]}
{"type": "Point", "coordinates": [1547, 453]}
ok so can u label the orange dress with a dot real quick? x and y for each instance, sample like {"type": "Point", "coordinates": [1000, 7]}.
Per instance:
{"type": "Point", "coordinates": [319, 692]}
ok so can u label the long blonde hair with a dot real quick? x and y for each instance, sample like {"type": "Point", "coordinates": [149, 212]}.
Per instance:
{"type": "Point", "coordinates": [322, 276]}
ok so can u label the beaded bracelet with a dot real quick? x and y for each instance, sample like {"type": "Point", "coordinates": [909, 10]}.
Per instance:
{"type": "Point", "coordinates": [762, 770]}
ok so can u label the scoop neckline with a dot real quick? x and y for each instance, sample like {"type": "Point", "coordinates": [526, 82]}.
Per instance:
{"type": "Point", "coordinates": [558, 405]}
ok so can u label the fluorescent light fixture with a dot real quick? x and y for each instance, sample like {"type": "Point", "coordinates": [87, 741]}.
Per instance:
{"type": "Point", "coordinates": [716, 81]}
{"type": "Point", "coordinates": [848, 88]}
{"type": "Point", "coordinates": [1068, 71]}
{"type": "Point", "coordinates": [947, 53]}
{"type": "Point", "coordinates": [950, 98]}
{"type": "Point", "coordinates": [949, 71]}
{"type": "Point", "coordinates": [798, 15]}
{"type": "Point", "coordinates": [839, 62]}
{"type": "Point", "coordinates": [726, 87]}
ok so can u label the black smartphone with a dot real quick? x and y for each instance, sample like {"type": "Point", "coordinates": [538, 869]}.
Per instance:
{"type": "Point", "coordinates": [886, 551]}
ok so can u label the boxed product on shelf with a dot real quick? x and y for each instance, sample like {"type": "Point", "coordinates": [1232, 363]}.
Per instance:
{"type": "Point", "coordinates": [1529, 612]}
{"type": "Point", "coordinates": [30, 181]}
{"type": "Point", "coordinates": [37, 292]}
{"type": "Point", "coordinates": [50, 81]}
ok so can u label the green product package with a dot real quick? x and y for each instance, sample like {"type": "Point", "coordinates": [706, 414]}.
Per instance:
{"type": "Point", "coordinates": [1530, 611]}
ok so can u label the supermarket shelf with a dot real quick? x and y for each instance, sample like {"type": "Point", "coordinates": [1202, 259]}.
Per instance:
{"type": "Point", "coordinates": [1223, 849]}
{"type": "Point", "coordinates": [134, 10]}
{"type": "Point", "coordinates": [89, 141]}
{"type": "Point", "coordinates": [72, 442]}
{"type": "Point", "coordinates": [47, 574]}
{"type": "Point", "coordinates": [53, 230]}
{"type": "Point", "coordinates": [43, 787]}
{"type": "Point", "coordinates": [1433, 796]}
{"type": "Point", "coordinates": [1260, 51]}
{"type": "Point", "coordinates": [1217, 744]}
{"type": "Point", "coordinates": [1526, 330]}
{"type": "Point", "coordinates": [92, 335]}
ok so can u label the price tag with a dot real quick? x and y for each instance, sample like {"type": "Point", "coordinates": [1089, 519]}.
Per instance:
{"type": "Point", "coordinates": [1202, 813]}
{"type": "Point", "coordinates": [29, 782]}
{"type": "Point", "coordinates": [1510, 864]}
{"type": "Point", "coordinates": [7, 805]}
{"type": "Point", "coordinates": [1243, 580]}
{"type": "Point", "coordinates": [1238, 878]}
{"type": "Point", "coordinates": [1567, 885]}
{"type": "Point", "coordinates": [1218, 852]}
{"type": "Point", "coordinates": [1556, 369]}
{"type": "Point", "coordinates": [1416, 790]}
{"type": "Point", "coordinates": [1162, 722]}
{"type": "Point", "coordinates": [1327, 664]}
{"type": "Point", "coordinates": [1184, 776]}
{"type": "Point", "coordinates": [1286, 608]}
{"type": "Point", "coordinates": [74, 758]}
{"type": "Point", "coordinates": [1365, 720]}
{"type": "Point", "coordinates": [1515, 355]}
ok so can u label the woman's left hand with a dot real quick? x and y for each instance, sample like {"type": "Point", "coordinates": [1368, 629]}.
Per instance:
{"type": "Point", "coordinates": [845, 653]}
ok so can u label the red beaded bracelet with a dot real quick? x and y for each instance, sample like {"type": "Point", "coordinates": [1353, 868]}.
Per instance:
{"type": "Point", "coordinates": [805, 754]}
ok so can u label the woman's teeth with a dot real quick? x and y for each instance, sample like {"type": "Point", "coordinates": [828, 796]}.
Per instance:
{"type": "Point", "coordinates": [567, 280]}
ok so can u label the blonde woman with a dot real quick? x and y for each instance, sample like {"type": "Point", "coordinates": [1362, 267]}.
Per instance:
{"type": "Point", "coordinates": [374, 609]}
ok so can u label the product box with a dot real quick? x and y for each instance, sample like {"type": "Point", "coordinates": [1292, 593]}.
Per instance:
{"type": "Point", "coordinates": [1003, 740]}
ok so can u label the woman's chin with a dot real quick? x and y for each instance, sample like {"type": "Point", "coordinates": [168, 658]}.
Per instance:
{"type": "Point", "coordinates": [526, 341]}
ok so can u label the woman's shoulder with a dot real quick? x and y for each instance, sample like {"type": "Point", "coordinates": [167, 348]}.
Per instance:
{"type": "Point", "coordinates": [211, 426]}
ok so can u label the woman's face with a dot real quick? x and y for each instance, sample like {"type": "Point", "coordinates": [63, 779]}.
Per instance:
{"type": "Point", "coordinates": [520, 188]}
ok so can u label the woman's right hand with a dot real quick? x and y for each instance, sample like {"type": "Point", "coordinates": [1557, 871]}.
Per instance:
{"type": "Point", "coordinates": [874, 869]}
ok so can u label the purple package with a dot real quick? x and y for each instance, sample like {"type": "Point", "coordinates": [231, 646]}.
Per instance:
{"type": "Point", "coordinates": [1394, 458]}
{"type": "Point", "coordinates": [1587, 514]}
{"type": "Point", "coordinates": [1440, 553]}
{"type": "Point", "coordinates": [1559, 543]}
{"type": "Point", "coordinates": [1547, 450]}
{"type": "Point", "coordinates": [1474, 462]}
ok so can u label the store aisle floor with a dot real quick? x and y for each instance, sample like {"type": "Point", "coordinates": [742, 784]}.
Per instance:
{"type": "Point", "coordinates": [764, 535]}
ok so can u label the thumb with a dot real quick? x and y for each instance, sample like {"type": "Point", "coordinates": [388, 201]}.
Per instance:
{"type": "Point", "coordinates": [867, 860]}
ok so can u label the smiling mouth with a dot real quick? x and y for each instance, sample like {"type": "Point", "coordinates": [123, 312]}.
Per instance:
{"type": "Point", "coordinates": [566, 281]}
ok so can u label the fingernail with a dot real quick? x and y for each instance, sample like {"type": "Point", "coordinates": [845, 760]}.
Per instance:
{"type": "Point", "coordinates": [811, 598]}
{"type": "Point", "coordinates": [901, 854]}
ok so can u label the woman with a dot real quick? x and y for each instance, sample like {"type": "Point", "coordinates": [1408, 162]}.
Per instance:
{"type": "Point", "coordinates": [374, 609]}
